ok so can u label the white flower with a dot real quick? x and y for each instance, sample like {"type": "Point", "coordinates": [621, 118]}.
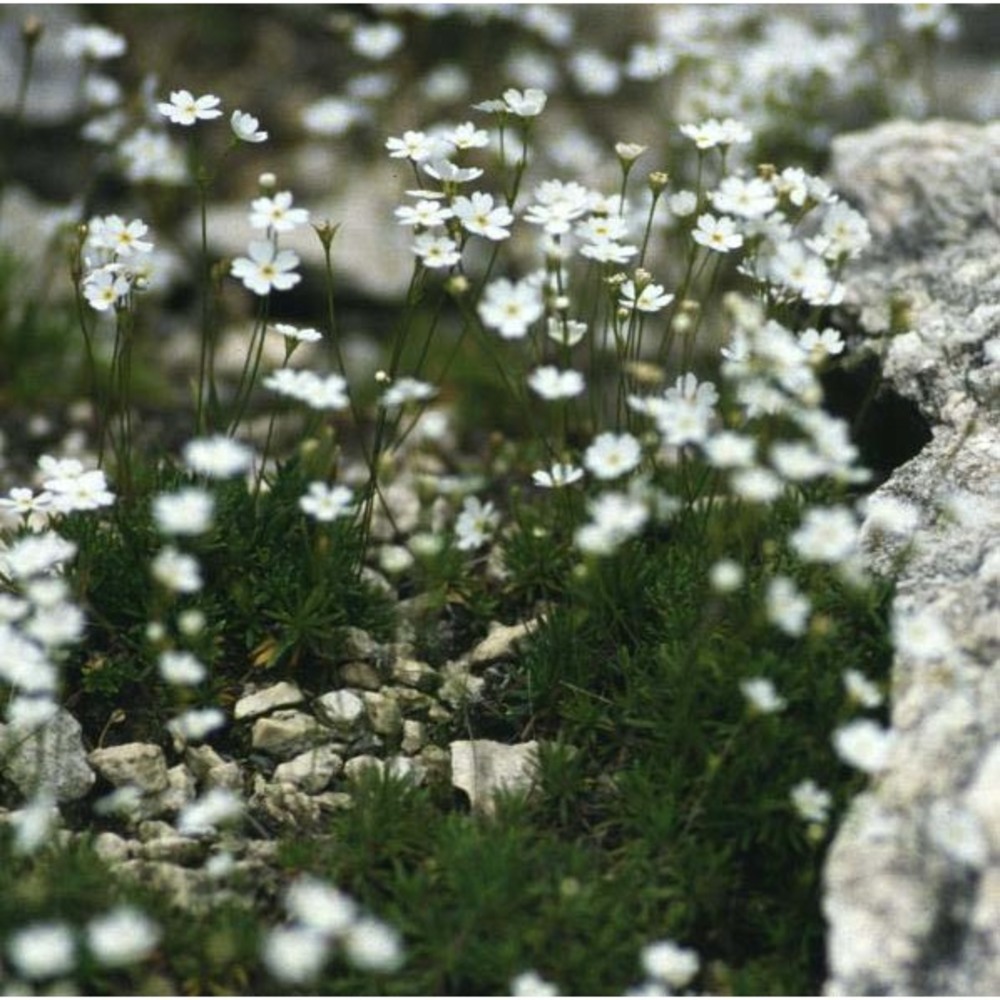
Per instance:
{"type": "Point", "coordinates": [86, 491]}
{"type": "Point", "coordinates": [305, 334]}
{"type": "Point", "coordinates": [373, 946]}
{"type": "Point", "coordinates": [609, 252]}
{"type": "Point", "coordinates": [103, 289]}
{"type": "Point", "coordinates": [864, 744]}
{"type": "Point", "coordinates": [450, 173]}
{"type": "Point", "coordinates": [821, 345]}
{"type": "Point", "coordinates": [510, 308]}
{"type": "Point", "coordinates": [762, 696]}
{"type": "Point", "coordinates": [215, 807]}
{"type": "Point", "coordinates": [713, 133]}
{"type": "Point", "coordinates": [749, 199]}
{"type": "Point", "coordinates": [861, 690]}
{"type": "Point", "coordinates": [276, 213]}
{"type": "Point", "coordinates": [34, 822]}
{"type": "Point", "coordinates": [612, 455]}
{"type": "Point", "coordinates": [668, 962]}
{"type": "Point", "coordinates": [717, 234]}
{"type": "Point", "coordinates": [615, 517]}
{"type": "Point", "coordinates": [827, 534]}
{"type": "Point", "coordinates": [92, 41]}
{"type": "Point", "coordinates": [786, 606]}
{"type": "Point", "coordinates": [557, 204]}
{"type": "Point", "coordinates": [525, 104]}
{"type": "Point", "coordinates": [475, 524]}
{"type": "Point", "coordinates": [121, 937]}
{"type": "Point", "coordinates": [327, 503]}
{"type": "Point", "coordinates": [797, 461]}
{"type": "Point", "coordinates": [320, 907]}
{"type": "Point", "coordinates": [331, 116]}
{"type": "Point", "coordinates": [729, 450]}
{"type": "Point", "coordinates": [725, 576]}
{"type": "Point", "coordinates": [426, 214]}
{"type": "Point", "coordinates": [531, 984]}
{"type": "Point", "coordinates": [468, 136]}
{"type": "Point", "coordinates": [42, 950]}
{"type": "Point", "coordinates": [415, 146]}
{"type": "Point", "coordinates": [566, 331]}
{"type": "Point", "coordinates": [34, 555]}
{"type": "Point", "coordinates": [177, 571]}
{"type": "Point", "coordinates": [407, 390]}
{"type": "Point", "coordinates": [186, 109]}
{"type": "Point", "coordinates": [436, 251]}
{"type": "Point", "coordinates": [295, 954]}
{"type": "Point", "coordinates": [756, 485]}
{"type": "Point", "coordinates": [181, 667]}
{"type": "Point", "coordinates": [266, 268]}
{"type": "Point", "coordinates": [121, 238]}
{"type": "Point", "coordinates": [844, 233]}
{"type": "Point", "coordinates": [651, 299]}
{"type": "Point", "coordinates": [479, 215]}
{"type": "Point", "coordinates": [195, 724]}
{"type": "Point", "coordinates": [553, 383]}
{"type": "Point", "coordinates": [811, 802]}
{"type": "Point", "coordinates": [318, 392]}
{"type": "Point", "coordinates": [558, 475]}
{"type": "Point", "coordinates": [376, 41]}
{"type": "Point", "coordinates": [217, 457]}
{"type": "Point", "coordinates": [683, 203]}
{"type": "Point", "coordinates": [246, 128]}
{"type": "Point", "coordinates": [187, 512]}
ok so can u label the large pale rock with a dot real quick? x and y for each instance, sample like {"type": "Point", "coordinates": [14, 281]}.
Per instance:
{"type": "Point", "coordinates": [285, 733]}
{"type": "Point", "coordinates": [284, 694]}
{"type": "Point", "coordinates": [342, 711]}
{"type": "Point", "coordinates": [140, 764]}
{"type": "Point", "coordinates": [311, 771]}
{"type": "Point", "coordinates": [912, 878]}
{"type": "Point", "coordinates": [500, 643]}
{"type": "Point", "coordinates": [48, 757]}
{"type": "Point", "coordinates": [481, 768]}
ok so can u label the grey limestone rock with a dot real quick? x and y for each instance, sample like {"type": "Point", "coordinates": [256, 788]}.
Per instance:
{"type": "Point", "coordinates": [285, 733]}
{"type": "Point", "coordinates": [280, 695]}
{"type": "Point", "coordinates": [140, 764]}
{"type": "Point", "coordinates": [311, 771]}
{"type": "Point", "coordinates": [482, 768]}
{"type": "Point", "coordinates": [49, 757]}
{"type": "Point", "coordinates": [911, 881]}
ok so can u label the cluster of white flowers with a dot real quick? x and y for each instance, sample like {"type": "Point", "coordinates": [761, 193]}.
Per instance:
{"type": "Point", "coordinates": [323, 919]}
{"type": "Point", "coordinates": [116, 260]}
{"type": "Point", "coordinates": [48, 950]}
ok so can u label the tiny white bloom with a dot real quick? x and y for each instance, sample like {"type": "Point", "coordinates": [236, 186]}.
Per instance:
{"type": "Point", "coordinates": [668, 962]}
{"type": "Point", "coordinates": [42, 950]}
{"type": "Point", "coordinates": [762, 696]}
{"type": "Point", "coordinates": [218, 457]}
{"type": "Point", "coordinates": [177, 571]}
{"type": "Point", "coordinates": [373, 946]}
{"type": "Point", "coordinates": [531, 984]}
{"type": "Point", "coordinates": [327, 503]}
{"type": "Point", "coordinates": [811, 802]}
{"type": "Point", "coordinates": [612, 455]}
{"type": "Point", "coordinates": [864, 744]}
{"type": "Point", "coordinates": [246, 128]}
{"type": "Point", "coordinates": [295, 954]}
{"type": "Point", "coordinates": [187, 512]}
{"type": "Point", "coordinates": [181, 667]}
{"type": "Point", "coordinates": [122, 936]}
{"type": "Point", "coordinates": [186, 109]}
